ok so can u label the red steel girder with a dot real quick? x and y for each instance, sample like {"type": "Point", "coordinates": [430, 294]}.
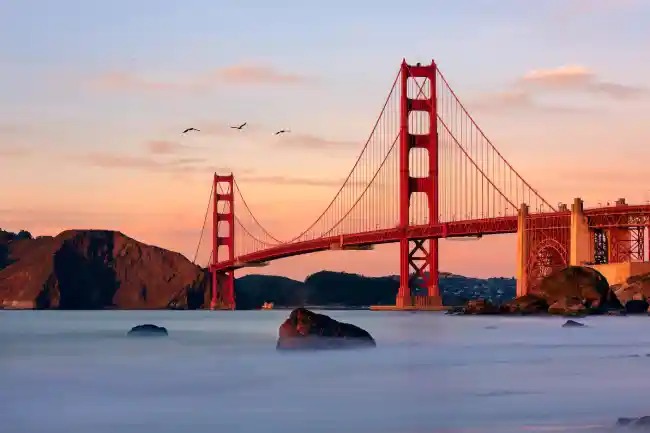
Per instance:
{"type": "Point", "coordinates": [622, 216]}
{"type": "Point", "coordinates": [619, 220]}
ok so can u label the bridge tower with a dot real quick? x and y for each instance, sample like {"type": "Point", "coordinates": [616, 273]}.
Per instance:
{"type": "Point", "coordinates": [418, 261]}
{"type": "Point", "coordinates": [223, 229]}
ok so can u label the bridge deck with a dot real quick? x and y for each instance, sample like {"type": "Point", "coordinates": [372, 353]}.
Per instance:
{"type": "Point", "coordinates": [617, 216]}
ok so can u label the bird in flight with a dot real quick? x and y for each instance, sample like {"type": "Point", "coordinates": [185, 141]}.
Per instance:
{"type": "Point", "coordinates": [240, 126]}
{"type": "Point", "coordinates": [191, 129]}
{"type": "Point", "coordinates": [282, 131]}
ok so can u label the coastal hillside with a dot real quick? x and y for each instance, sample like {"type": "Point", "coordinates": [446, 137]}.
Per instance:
{"type": "Point", "coordinates": [93, 269]}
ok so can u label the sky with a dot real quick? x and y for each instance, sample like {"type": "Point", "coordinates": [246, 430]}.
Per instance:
{"type": "Point", "coordinates": [93, 96]}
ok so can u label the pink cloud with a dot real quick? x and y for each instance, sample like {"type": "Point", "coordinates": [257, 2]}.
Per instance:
{"type": "Point", "coordinates": [125, 81]}
{"type": "Point", "coordinates": [289, 180]}
{"type": "Point", "coordinates": [145, 163]}
{"type": "Point", "coordinates": [580, 79]}
{"type": "Point", "coordinates": [313, 142]}
{"type": "Point", "coordinates": [164, 147]}
{"type": "Point", "coordinates": [564, 79]}
{"type": "Point", "coordinates": [505, 99]}
{"type": "Point", "coordinates": [14, 152]}
{"type": "Point", "coordinates": [256, 74]}
{"type": "Point", "coordinates": [236, 74]}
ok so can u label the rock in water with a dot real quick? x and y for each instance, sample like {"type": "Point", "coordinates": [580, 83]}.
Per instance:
{"type": "Point", "coordinates": [306, 330]}
{"type": "Point", "coordinates": [642, 423]}
{"type": "Point", "coordinates": [572, 324]}
{"type": "Point", "coordinates": [148, 330]}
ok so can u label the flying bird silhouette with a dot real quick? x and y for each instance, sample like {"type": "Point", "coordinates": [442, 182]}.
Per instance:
{"type": "Point", "coordinates": [282, 131]}
{"type": "Point", "coordinates": [240, 126]}
{"type": "Point", "coordinates": [191, 129]}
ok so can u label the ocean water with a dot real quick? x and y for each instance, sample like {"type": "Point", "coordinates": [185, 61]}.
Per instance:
{"type": "Point", "coordinates": [73, 372]}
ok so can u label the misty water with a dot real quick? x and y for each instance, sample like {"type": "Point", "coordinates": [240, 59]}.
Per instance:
{"type": "Point", "coordinates": [73, 372]}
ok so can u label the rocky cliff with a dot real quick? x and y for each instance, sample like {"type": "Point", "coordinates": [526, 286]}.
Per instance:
{"type": "Point", "coordinates": [94, 269]}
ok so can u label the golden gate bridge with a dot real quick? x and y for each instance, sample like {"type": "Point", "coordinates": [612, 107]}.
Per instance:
{"type": "Point", "coordinates": [427, 172]}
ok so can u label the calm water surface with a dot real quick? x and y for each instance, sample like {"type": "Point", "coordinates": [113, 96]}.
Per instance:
{"type": "Point", "coordinates": [73, 372]}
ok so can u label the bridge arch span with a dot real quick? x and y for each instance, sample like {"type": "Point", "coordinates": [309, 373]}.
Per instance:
{"type": "Point", "coordinates": [546, 257]}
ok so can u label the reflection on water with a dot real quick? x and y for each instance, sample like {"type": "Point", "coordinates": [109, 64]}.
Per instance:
{"type": "Point", "coordinates": [70, 372]}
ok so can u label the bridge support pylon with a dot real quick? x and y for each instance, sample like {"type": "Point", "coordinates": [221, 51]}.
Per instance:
{"type": "Point", "coordinates": [581, 251]}
{"type": "Point", "coordinates": [522, 251]}
{"type": "Point", "coordinates": [223, 235]}
{"type": "Point", "coordinates": [418, 261]}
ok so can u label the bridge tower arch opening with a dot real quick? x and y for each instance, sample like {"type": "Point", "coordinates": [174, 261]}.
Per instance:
{"type": "Point", "coordinates": [418, 133]}
{"type": "Point", "coordinates": [549, 255]}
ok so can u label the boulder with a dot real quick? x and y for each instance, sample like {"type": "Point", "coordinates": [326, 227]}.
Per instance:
{"type": "Point", "coordinates": [528, 304]}
{"type": "Point", "coordinates": [306, 330]}
{"type": "Point", "coordinates": [641, 423]}
{"type": "Point", "coordinates": [636, 306]}
{"type": "Point", "coordinates": [577, 290]}
{"type": "Point", "coordinates": [148, 330]}
{"type": "Point", "coordinates": [480, 306]}
{"type": "Point", "coordinates": [573, 324]}
{"type": "Point", "coordinates": [636, 287]}
{"type": "Point", "coordinates": [568, 307]}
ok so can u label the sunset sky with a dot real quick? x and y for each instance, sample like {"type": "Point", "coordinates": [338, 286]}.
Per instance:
{"type": "Point", "coordinates": [93, 96]}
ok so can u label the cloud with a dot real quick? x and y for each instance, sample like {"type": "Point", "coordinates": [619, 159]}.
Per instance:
{"type": "Point", "coordinates": [579, 79]}
{"type": "Point", "coordinates": [287, 180]}
{"type": "Point", "coordinates": [313, 142]}
{"type": "Point", "coordinates": [177, 165]}
{"type": "Point", "coordinates": [10, 129]}
{"type": "Point", "coordinates": [232, 75]}
{"type": "Point", "coordinates": [256, 74]}
{"type": "Point", "coordinates": [300, 181]}
{"type": "Point", "coordinates": [289, 140]}
{"type": "Point", "coordinates": [576, 79]}
{"type": "Point", "coordinates": [14, 152]}
{"type": "Point", "coordinates": [215, 127]}
{"type": "Point", "coordinates": [506, 99]}
{"type": "Point", "coordinates": [125, 81]}
{"type": "Point", "coordinates": [164, 147]}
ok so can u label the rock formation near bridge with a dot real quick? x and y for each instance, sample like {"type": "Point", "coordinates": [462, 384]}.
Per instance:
{"type": "Point", "coordinates": [574, 290]}
{"type": "Point", "coordinates": [306, 330]}
{"type": "Point", "coordinates": [94, 269]}
{"type": "Point", "coordinates": [636, 287]}
{"type": "Point", "coordinates": [578, 290]}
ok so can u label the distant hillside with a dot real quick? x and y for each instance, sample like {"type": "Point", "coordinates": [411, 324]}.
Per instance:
{"type": "Point", "coordinates": [327, 288]}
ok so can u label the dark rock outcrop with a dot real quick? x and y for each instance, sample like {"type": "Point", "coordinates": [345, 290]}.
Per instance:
{"type": "Point", "coordinates": [577, 290]}
{"type": "Point", "coordinates": [637, 306]}
{"type": "Point", "coordinates": [528, 304]}
{"type": "Point", "coordinates": [572, 291]}
{"type": "Point", "coordinates": [641, 423]}
{"type": "Point", "coordinates": [306, 330]}
{"type": "Point", "coordinates": [480, 306]}
{"type": "Point", "coordinates": [96, 269]}
{"type": "Point", "coordinates": [636, 287]}
{"type": "Point", "coordinates": [147, 330]}
{"type": "Point", "coordinates": [573, 324]}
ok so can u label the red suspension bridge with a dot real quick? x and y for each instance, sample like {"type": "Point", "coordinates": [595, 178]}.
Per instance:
{"type": "Point", "coordinates": [426, 172]}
